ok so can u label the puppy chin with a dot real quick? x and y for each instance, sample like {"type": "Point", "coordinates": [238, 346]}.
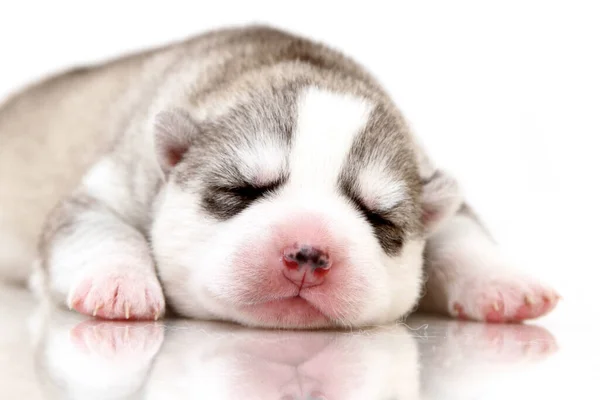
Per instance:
{"type": "Point", "coordinates": [291, 313]}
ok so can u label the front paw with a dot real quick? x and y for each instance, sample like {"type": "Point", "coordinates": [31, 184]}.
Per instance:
{"type": "Point", "coordinates": [502, 299]}
{"type": "Point", "coordinates": [118, 294]}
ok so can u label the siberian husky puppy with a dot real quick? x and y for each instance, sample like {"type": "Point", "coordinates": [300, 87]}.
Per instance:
{"type": "Point", "coordinates": [246, 175]}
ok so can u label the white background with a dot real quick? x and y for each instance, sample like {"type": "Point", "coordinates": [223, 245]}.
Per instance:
{"type": "Point", "coordinates": [505, 95]}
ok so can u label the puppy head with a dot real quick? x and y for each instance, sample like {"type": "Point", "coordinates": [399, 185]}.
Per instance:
{"type": "Point", "coordinates": [299, 208]}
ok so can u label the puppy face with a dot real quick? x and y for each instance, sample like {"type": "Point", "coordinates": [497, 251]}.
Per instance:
{"type": "Point", "coordinates": [297, 209]}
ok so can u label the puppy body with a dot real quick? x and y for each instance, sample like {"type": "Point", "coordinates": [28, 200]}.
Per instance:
{"type": "Point", "coordinates": [246, 175]}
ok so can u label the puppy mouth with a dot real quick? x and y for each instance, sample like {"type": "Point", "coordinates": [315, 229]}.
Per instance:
{"type": "Point", "coordinates": [289, 312]}
{"type": "Point", "coordinates": [293, 301]}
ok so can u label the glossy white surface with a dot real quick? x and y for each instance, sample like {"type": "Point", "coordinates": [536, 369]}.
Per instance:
{"type": "Point", "coordinates": [61, 355]}
{"type": "Point", "coordinates": [505, 95]}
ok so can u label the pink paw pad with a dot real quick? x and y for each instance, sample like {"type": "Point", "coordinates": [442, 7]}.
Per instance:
{"type": "Point", "coordinates": [530, 307]}
{"type": "Point", "coordinates": [119, 296]}
{"type": "Point", "coordinates": [509, 306]}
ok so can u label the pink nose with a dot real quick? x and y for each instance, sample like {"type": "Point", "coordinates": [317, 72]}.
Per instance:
{"type": "Point", "coordinates": [305, 265]}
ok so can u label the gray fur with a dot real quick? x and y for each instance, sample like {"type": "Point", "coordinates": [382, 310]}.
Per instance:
{"type": "Point", "coordinates": [203, 98]}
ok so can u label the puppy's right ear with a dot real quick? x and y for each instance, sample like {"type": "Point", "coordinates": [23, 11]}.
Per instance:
{"type": "Point", "coordinates": [174, 133]}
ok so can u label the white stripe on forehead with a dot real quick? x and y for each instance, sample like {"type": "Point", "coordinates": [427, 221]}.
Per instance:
{"type": "Point", "coordinates": [262, 162]}
{"type": "Point", "coordinates": [327, 124]}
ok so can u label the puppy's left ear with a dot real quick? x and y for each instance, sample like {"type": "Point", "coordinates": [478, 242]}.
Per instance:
{"type": "Point", "coordinates": [441, 198]}
{"type": "Point", "coordinates": [174, 133]}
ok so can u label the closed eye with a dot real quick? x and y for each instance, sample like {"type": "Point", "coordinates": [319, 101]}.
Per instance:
{"type": "Point", "coordinates": [225, 202]}
{"type": "Point", "coordinates": [375, 218]}
{"type": "Point", "coordinates": [390, 234]}
{"type": "Point", "coordinates": [249, 192]}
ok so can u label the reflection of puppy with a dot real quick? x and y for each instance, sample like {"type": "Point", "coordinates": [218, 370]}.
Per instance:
{"type": "Point", "coordinates": [470, 360]}
{"type": "Point", "coordinates": [264, 178]}
{"type": "Point", "coordinates": [79, 358]}
{"type": "Point", "coordinates": [109, 360]}
{"type": "Point", "coordinates": [96, 359]}
{"type": "Point", "coordinates": [16, 355]}
{"type": "Point", "coordinates": [373, 364]}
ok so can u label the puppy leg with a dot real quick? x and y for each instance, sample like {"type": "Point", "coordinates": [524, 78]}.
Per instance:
{"type": "Point", "coordinates": [467, 278]}
{"type": "Point", "coordinates": [94, 258]}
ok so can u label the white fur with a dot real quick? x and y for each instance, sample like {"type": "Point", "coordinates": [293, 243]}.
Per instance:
{"type": "Point", "coordinates": [196, 255]}
{"type": "Point", "coordinates": [100, 244]}
{"type": "Point", "coordinates": [102, 183]}
{"type": "Point", "coordinates": [379, 189]}
{"type": "Point", "coordinates": [105, 184]}
{"type": "Point", "coordinates": [466, 268]}
{"type": "Point", "coordinates": [326, 128]}
{"type": "Point", "coordinates": [104, 249]}
{"type": "Point", "coordinates": [105, 246]}
{"type": "Point", "coordinates": [261, 162]}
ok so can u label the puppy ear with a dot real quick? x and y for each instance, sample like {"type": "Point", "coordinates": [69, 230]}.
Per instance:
{"type": "Point", "coordinates": [174, 133]}
{"type": "Point", "coordinates": [441, 198]}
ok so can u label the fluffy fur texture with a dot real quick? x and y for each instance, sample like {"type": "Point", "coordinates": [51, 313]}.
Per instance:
{"type": "Point", "coordinates": [179, 177]}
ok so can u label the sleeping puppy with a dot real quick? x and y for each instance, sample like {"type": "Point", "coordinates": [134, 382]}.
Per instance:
{"type": "Point", "coordinates": [246, 175]}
